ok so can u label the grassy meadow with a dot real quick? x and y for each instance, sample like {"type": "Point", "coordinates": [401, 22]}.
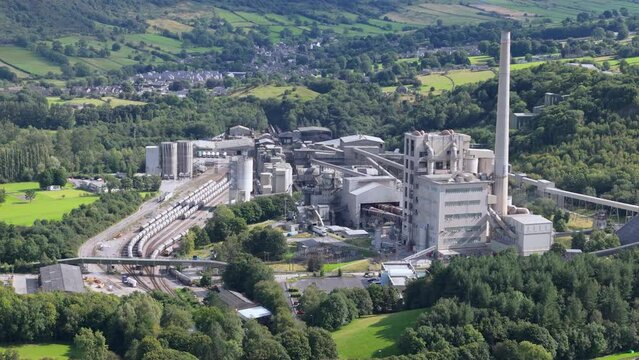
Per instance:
{"type": "Point", "coordinates": [373, 336]}
{"type": "Point", "coordinates": [111, 101]}
{"type": "Point", "coordinates": [273, 91]}
{"type": "Point", "coordinates": [49, 205]}
{"type": "Point", "coordinates": [40, 351]}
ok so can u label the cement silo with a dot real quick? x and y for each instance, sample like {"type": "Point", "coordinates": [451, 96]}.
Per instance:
{"type": "Point", "coordinates": [185, 158]}
{"type": "Point", "coordinates": [153, 161]}
{"type": "Point", "coordinates": [169, 160]}
{"type": "Point", "coordinates": [241, 178]}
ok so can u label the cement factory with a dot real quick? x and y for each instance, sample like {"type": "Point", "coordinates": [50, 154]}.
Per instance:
{"type": "Point", "coordinates": [441, 197]}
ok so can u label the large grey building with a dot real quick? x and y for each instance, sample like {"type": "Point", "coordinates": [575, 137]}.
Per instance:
{"type": "Point", "coordinates": [185, 158]}
{"type": "Point", "coordinates": [61, 277]}
{"type": "Point", "coordinates": [445, 190]}
{"type": "Point", "coordinates": [153, 161]}
{"type": "Point", "coordinates": [169, 160]}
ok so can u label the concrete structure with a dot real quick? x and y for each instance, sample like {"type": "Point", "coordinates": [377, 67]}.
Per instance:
{"type": "Point", "coordinates": [397, 274]}
{"type": "Point", "coordinates": [185, 158]}
{"type": "Point", "coordinates": [153, 161]}
{"type": "Point", "coordinates": [241, 172]}
{"type": "Point", "coordinates": [444, 181]}
{"type": "Point", "coordinates": [169, 160]}
{"type": "Point", "coordinates": [282, 179]}
{"type": "Point", "coordinates": [451, 215]}
{"type": "Point", "coordinates": [525, 120]}
{"type": "Point", "coordinates": [366, 190]}
{"type": "Point", "coordinates": [501, 137]}
{"type": "Point", "coordinates": [240, 131]}
{"type": "Point", "coordinates": [61, 277]}
{"type": "Point", "coordinates": [534, 233]}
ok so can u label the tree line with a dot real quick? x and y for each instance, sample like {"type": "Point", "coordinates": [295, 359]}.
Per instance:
{"type": "Point", "coordinates": [496, 307]}
{"type": "Point", "coordinates": [47, 241]}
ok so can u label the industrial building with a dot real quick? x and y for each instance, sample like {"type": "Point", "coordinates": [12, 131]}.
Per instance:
{"type": "Point", "coordinates": [169, 160]}
{"type": "Point", "coordinates": [153, 161]}
{"type": "Point", "coordinates": [61, 277]}
{"type": "Point", "coordinates": [241, 174]}
{"type": "Point", "coordinates": [397, 274]}
{"type": "Point", "coordinates": [184, 159]}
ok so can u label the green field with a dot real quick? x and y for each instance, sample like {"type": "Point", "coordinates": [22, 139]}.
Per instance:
{"type": "Point", "coordinates": [49, 205]}
{"type": "Point", "coordinates": [113, 102]}
{"type": "Point", "coordinates": [624, 356]}
{"type": "Point", "coordinates": [164, 43]}
{"type": "Point", "coordinates": [26, 61]}
{"type": "Point", "coordinates": [373, 336]}
{"type": "Point", "coordinates": [426, 12]}
{"type": "Point", "coordinates": [39, 351]}
{"type": "Point", "coordinates": [479, 60]}
{"type": "Point", "coordinates": [437, 81]}
{"type": "Point", "coordinates": [462, 77]}
{"type": "Point", "coordinates": [170, 25]}
{"type": "Point", "coordinates": [429, 13]}
{"type": "Point", "coordinates": [350, 266]}
{"type": "Point", "coordinates": [273, 91]}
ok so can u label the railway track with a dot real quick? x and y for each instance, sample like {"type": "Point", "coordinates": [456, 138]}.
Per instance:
{"type": "Point", "coordinates": [157, 281]}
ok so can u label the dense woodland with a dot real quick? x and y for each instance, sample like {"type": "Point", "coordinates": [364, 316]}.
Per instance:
{"type": "Point", "coordinates": [153, 327]}
{"type": "Point", "coordinates": [503, 305]}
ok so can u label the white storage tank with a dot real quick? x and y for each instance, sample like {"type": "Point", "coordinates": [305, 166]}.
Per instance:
{"type": "Point", "coordinates": [242, 177]}
{"type": "Point", "coordinates": [153, 161]}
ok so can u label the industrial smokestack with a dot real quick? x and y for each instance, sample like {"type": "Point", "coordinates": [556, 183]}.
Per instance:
{"type": "Point", "coordinates": [501, 136]}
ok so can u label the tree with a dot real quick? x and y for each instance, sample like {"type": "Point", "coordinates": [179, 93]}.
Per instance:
{"type": "Point", "coordinates": [333, 312]}
{"type": "Point", "coordinates": [90, 345]}
{"type": "Point", "coordinates": [3, 195]}
{"type": "Point", "coordinates": [266, 243]}
{"type": "Point", "coordinates": [166, 354]}
{"type": "Point", "coordinates": [384, 298]}
{"type": "Point", "coordinates": [295, 341]}
{"type": "Point", "coordinates": [314, 263]}
{"type": "Point", "coordinates": [259, 344]}
{"type": "Point", "coordinates": [30, 195]}
{"type": "Point", "coordinates": [622, 33]}
{"type": "Point", "coordinates": [322, 345]}
{"type": "Point", "coordinates": [241, 274]}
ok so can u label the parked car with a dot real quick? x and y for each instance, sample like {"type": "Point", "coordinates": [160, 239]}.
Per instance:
{"type": "Point", "coordinates": [372, 280]}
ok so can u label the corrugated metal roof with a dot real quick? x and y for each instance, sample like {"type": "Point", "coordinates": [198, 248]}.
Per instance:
{"type": "Point", "coordinates": [61, 277]}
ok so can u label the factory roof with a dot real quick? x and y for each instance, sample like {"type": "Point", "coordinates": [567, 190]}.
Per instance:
{"type": "Point", "coordinates": [61, 277]}
{"type": "Point", "coordinates": [399, 268]}
{"type": "Point", "coordinates": [366, 188]}
{"type": "Point", "coordinates": [224, 144]}
{"type": "Point", "coordinates": [313, 128]}
{"type": "Point", "coordinates": [449, 179]}
{"type": "Point", "coordinates": [529, 219]}
{"type": "Point", "coordinates": [629, 233]}
{"type": "Point", "coordinates": [254, 313]}
{"type": "Point", "coordinates": [234, 299]}
{"type": "Point", "coordinates": [353, 138]}
{"type": "Point", "coordinates": [332, 142]}
{"type": "Point", "coordinates": [240, 127]}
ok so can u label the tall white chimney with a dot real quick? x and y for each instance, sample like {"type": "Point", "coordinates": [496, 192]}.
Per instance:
{"type": "Point", "coordinates": [501, 136]}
